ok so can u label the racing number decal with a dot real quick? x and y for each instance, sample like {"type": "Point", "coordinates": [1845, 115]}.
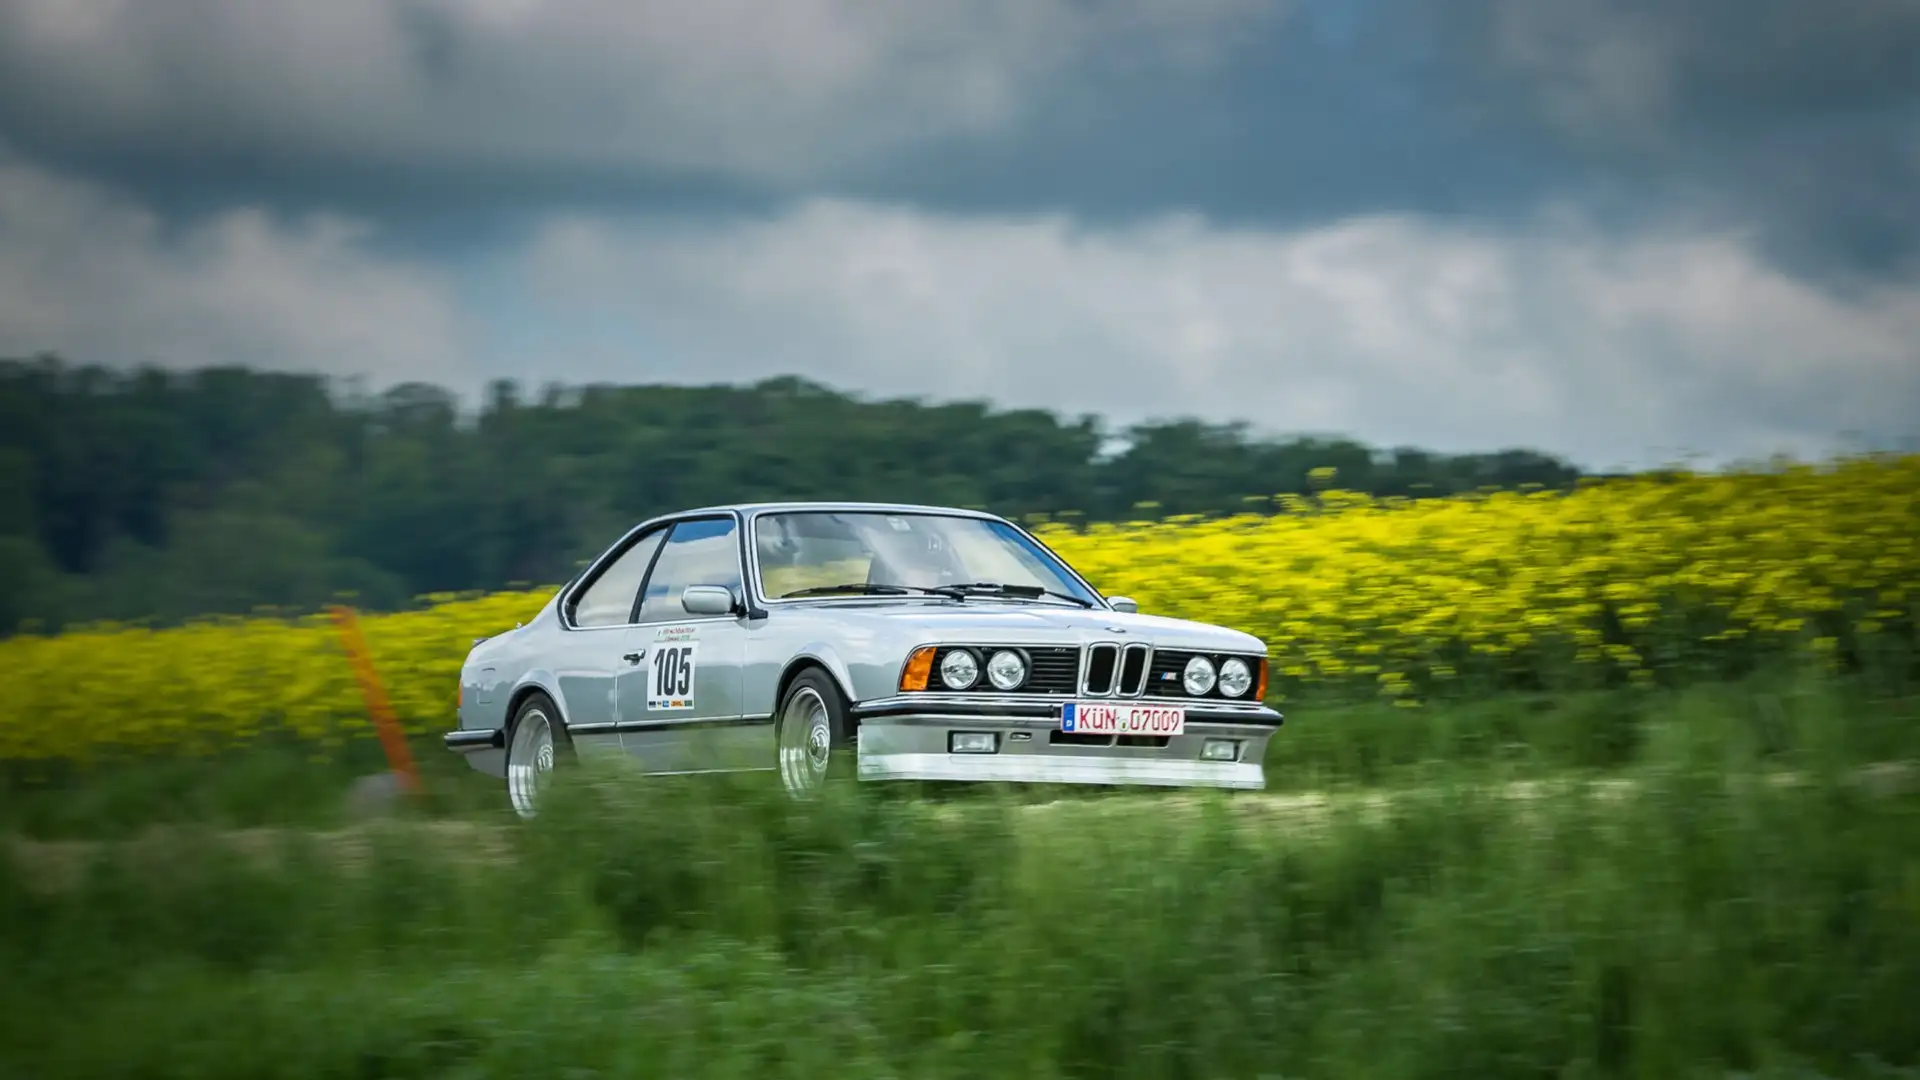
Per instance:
{"type": "Point", "coordinates": [670, 678]}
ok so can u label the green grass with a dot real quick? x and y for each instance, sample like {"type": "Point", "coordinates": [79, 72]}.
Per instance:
{"type": "Point", "coordinates": [1729, 898]}
{"type": "Point", "coordinates": [1322, 747]}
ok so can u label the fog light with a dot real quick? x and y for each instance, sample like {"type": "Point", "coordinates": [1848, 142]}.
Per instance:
{"type": "Point", "coordinates": [1220, 750]}
{"type": "Point", "coordinates": [970, 742]}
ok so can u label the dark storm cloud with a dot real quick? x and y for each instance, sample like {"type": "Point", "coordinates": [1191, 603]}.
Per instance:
{"type": "Point", "coordinates": [1653, 75]}
{"type": "Point", "coordinates": [1798, 119]}
{"type": "Point", "coordinates": [1322, 117]}
{"type": "Point", "coordinates": [426, 112]}
{"type": "Point", "coordinates": [1797, 122]}
{"type": "Point", "coordinates": [768, 97]}
{"type": "Point", "coordinates": [1802, 118]}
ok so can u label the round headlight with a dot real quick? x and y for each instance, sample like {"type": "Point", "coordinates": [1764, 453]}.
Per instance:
{"type": "Point", "coordinates": [958, 669]}
{"type": "Point", "coordinates": [1006, 670]}
{"type": "Point", "coordinates": [1198, 678]}
{"type": "Point", "coordinates": [1235, 678]}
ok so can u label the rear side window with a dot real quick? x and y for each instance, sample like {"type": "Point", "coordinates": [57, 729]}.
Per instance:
{"type": "Point", "coordinates": [609, 600]}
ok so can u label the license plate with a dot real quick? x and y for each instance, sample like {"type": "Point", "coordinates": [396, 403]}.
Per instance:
{"type": "Point", "coordinates": [1106, 718]}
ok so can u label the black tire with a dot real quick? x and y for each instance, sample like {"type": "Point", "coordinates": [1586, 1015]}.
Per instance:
{"type": "Point", "coordinates": [550, 746]}
{"type": "Point", "coordinates": [814, 701]}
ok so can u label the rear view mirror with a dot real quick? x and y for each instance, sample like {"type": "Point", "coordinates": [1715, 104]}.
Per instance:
{"type": "Point", "coordinates": [708, 600]}
{"type": "Point", "coordinates": [1123, 603]}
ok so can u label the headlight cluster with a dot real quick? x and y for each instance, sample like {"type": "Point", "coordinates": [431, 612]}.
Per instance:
{"type": "Point", "coordinates": [1233, 677]}
{"type": "Point", "coordinates": [1061, 671]}
{"type": "Point", "coordinates": [1006, 669]}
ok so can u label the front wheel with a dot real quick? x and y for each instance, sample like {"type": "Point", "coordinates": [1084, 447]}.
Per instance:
{"type": "Point", "coordinates": [814, 745]}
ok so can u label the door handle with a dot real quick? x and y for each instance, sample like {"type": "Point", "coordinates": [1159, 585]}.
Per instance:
{"type": "Point", "coordinates": [634, 657]}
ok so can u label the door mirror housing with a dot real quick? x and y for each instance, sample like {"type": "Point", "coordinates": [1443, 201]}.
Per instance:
{"type": "Point", "coordinates": [1124, 603]}
{"type": "Point", "coordinates": [709, 600]}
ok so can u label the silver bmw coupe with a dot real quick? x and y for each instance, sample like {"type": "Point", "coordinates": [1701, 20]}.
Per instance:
{"type": "Point", "coordinates": [877, 641]}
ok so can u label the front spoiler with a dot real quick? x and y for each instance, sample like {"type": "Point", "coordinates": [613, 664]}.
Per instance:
{"type": "Point", "coordinates": [1078, 768]}
{"type": "Point", "coordinates": [905, 739]}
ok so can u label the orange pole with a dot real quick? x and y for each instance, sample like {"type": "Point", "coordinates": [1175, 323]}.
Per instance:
{"type": "Point", "coordinates": [378, 707]}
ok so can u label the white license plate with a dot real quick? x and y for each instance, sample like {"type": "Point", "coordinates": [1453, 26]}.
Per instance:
{"type": "Point", "coordinates": [1107, 718]}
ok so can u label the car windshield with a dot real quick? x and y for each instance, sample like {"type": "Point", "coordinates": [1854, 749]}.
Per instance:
{"type": "Point", "coordinates": [854, 552]}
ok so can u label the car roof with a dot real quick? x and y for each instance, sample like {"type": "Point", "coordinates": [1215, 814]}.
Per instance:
{"type": "Point", "coordinates": [752, 508]}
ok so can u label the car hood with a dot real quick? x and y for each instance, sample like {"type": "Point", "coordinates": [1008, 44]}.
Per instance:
{"type": "Point", "coordinates": [995, 622]}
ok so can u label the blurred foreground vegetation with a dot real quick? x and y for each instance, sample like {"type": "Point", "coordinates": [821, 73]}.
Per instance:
{"type": "Point", "coordinates": [1731, 896]}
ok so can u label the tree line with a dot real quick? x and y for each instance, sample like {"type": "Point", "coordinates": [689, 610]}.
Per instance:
{"type": "Point", "coordinates": [147, 494]}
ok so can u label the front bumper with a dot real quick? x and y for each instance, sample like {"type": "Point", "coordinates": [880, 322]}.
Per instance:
{"type": "Point", "coordinates": [910, 738]}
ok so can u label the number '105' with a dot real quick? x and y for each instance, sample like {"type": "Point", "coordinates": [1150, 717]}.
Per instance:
{"type": "Point", "coordinates": [673, 672]}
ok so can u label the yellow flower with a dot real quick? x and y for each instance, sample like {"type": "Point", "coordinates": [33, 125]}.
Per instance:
{"type": "Point", "coordinates": [1618, 578]}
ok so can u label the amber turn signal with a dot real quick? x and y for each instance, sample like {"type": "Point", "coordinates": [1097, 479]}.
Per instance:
{"type": "Point", "coordinates": [1260, 684]}
{"type": "Point", "coordinates": [919, 668]}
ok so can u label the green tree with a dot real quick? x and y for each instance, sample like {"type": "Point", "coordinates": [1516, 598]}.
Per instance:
{"type": "Point", "coordinates": [146, 494]}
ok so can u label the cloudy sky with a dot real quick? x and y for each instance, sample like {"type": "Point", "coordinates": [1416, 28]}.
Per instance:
{"type": "Point", "coordinates": [1621, 231]}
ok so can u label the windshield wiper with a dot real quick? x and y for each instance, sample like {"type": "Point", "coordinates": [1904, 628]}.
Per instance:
{"type": "Point", "coordinates": [864, 588]}
{"type": "Point", "coordinates": [1033, 591]}
{"type": "Point", "coordinates": [954, 592]}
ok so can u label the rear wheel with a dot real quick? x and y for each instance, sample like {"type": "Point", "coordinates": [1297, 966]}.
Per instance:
{"type": "Point", "coordinates": [814, 745]}
{"type": "Point", "coordinates": [537, 743]}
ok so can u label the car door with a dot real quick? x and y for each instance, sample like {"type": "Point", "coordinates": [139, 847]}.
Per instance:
{"type": "Point", "coordinates": [680, 697]}
{"type": "Point", "coordinates": [596, 622]}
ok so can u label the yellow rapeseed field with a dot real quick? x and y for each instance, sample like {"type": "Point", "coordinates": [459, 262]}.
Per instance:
{"type": "Point", "coordinates": [1623, 579]}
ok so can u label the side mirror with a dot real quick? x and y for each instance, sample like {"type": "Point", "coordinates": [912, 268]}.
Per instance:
{"type": "Point", "coordinates": [1124, 603]}
{"type": "Point", "coordinates": [708, 600]}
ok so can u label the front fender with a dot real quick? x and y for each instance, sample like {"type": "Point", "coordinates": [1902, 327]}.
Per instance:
{"type": "Point", "coordinates": [820, 653]}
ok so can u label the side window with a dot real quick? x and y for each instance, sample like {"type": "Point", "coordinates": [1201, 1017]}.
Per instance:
{"type": "Point", "coordinates": [609, 600]}
{"type": "Point", "coordinates": [704, 552]}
